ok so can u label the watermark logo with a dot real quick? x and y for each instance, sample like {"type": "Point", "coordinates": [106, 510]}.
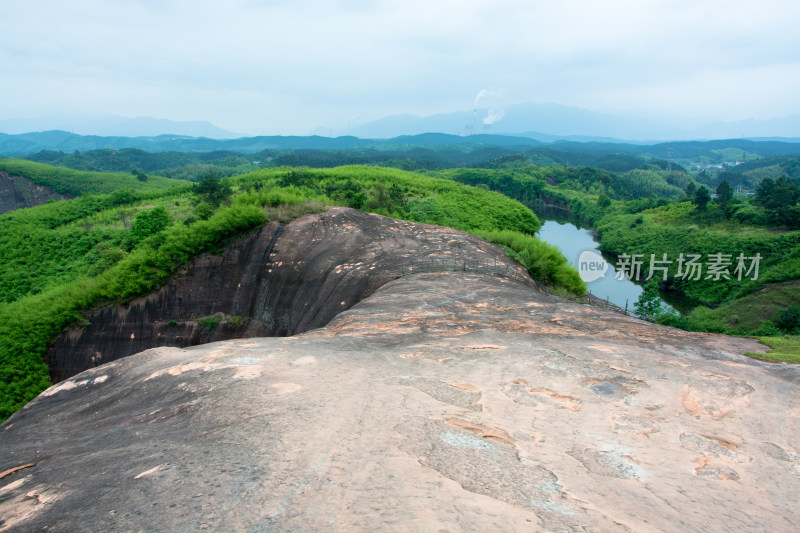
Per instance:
{"type": "Point", "coordinates": [591, 266]}
{"type": "Point", "coordinates": [688, 266]}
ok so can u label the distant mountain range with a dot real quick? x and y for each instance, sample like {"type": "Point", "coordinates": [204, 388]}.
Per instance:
{"type": "Point", "coordinates": [59, 141]}
{"type": "Point", "coordinates": [113, 126]}
{"type": "Point", "coordinates": [549, 122]}
{"type": "Point", "coordinates": [29, 143]}
{"type": "Point", "coordinates": [543, 122]}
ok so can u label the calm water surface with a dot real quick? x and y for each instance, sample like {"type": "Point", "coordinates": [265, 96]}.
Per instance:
{"type": "Point", "coordinates": [572, 241]}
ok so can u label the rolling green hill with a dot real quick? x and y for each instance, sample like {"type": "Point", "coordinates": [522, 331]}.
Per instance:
{"type": "Point", "coordinates": [75, 182]}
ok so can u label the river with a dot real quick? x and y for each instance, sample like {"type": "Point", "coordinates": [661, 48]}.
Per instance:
{"type": "Point", "coordinates": [573, 241]}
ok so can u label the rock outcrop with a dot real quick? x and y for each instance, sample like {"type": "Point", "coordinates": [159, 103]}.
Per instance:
{"type": "Point", "coordinates": [447, 401]}
{"type": "Point", "coordinates": [17, 192]}
{"type": "Point", "coordinates": [275, 282]}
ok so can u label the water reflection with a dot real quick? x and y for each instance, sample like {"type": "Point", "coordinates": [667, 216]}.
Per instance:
{"type": "Point", "coordinates": [573, 238]}
{"type": "Point", "coordinates": [572, 242]}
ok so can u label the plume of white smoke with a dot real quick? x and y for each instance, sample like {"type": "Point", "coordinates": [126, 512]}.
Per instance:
{"type": "Point", "coordinates": [481, 94]}
{"type": "Point", "coordinates": [493, 116]}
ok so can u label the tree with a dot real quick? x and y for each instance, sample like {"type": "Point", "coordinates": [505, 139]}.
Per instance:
{"type": "Point", "coordinates": [358, 200]}
{"type": "Point", "coordinates": [148, 222]}
{"type": "Point", "coordinates": [724, 193]}
{"type": "Point", "coordinates": [203, 210]}
{"type": "Point", "coordinates": [691, 188]}
{"type": "Point", "coordinates": [701, 198]}
{"type": "Point", "coordinates": [779, 199]}
{"type": "Point", "coordinates": [725, 197]}
{"type": "Point", "coordinates": [396, 194]}
{"type": "Point", "coordinates": [776, 195]}
{"type": "Point", "coordinates": [212, 190]}
{"type": "Point", "coordinates": [789, 319]}
{"type": "Point", "coordinates": [141, 176]}
{"type": "Point", "coordinates": [648, 306]}
{"type": "Point", "coordinates": [121, 197]}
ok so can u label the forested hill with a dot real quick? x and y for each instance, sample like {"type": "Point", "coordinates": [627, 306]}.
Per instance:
{"type": "Point", "coordinates": [738, 161]}
{"type": "Point", "coordinates": [70, 182]}
{"type": "Point", "coordinates": [27, 143]}
{"type": "Point", "coordinates": [30, 143]}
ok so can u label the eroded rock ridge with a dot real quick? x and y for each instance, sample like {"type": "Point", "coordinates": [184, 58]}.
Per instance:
{"type": "Point", "coordinates": [274, 282]}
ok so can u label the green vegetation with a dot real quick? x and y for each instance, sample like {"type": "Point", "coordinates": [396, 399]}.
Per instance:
{"type": "Point", "coordinates": [52, 244]}
{"type": "Point", "coordinates": [779, 200]}
{"type": "Point", "coordinates": [389, 192]}
{"type": "Point", "coordinates": [209, 322]}
{"type": "Point", "coordinates": [28, 324]}
{"type": "Point", "coordinates": [675, 231]}
{"type": "Point", "coordinates": [236, 321]}
{"type": "Point", "coordinates": [129, 231]}
{"type": "Point", "coordinates": [178, 165]}
{"type": "Point", "coordinates": [75, 183]}
{"type": "Point", "coordinates": [543, 261]}
{"type": "Point", "coordinates": [530, 184]}
{"type": "Point", "coordinates": [64, 258]}
{"type": "Point", "coordinates": [211, 191]}
{"type": "Point", "coordinates": [783, 349]}
{"type": "Point", "coordinates": [752, 172]}
{"type": "Point", "coordinates": [668, 213]}
{"type": "Point", "coordinates": [430, 153]}
{"type": "Point", "coordinates": [648, 306]}
{"type": "Point", "coordinates": [789, 319]}
{"type": "Point", "coordinates": [754, 244]}
{"type": "Point", "coordinates": [765, 311]}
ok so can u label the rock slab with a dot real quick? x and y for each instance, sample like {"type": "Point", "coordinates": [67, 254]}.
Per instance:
{"type": "Point", "coordinates": [445, 401]}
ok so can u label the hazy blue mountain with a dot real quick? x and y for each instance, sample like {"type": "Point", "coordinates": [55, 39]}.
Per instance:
{"type": "Point", "coordinates": [444, 139]}
{"type": "Point", "coordinates": [114, 126]}
{"type": "Point", "coordinates": [788, 127]}
{"type": "Point", "coordinates": [397, 125]}
{"type": "Point", "coordinates": [62, 141]}
{"type": "Point", "coordinates": [551, 122]}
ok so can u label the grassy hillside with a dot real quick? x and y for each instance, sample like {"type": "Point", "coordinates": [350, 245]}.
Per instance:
{"type": "Point", "coordinates": [63, 258]}
{"type": "Point", "coordinates": [754, 313]}
{"type": "Point", "coordinates": [673, 230]}
{"type": "Point", "coordinates": [75, 182]}
{"type": "Point", "coordinates": [646, 212]}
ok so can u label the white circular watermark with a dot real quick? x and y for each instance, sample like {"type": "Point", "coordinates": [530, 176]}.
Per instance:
{"type": "Point", "coordinates": [591, 266]}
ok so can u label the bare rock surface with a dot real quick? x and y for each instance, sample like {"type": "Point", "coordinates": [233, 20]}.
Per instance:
{"type": "Point", "coordinates": [277, 281]}
{"type": "Point", "coordinates": [17, 192]}
{"type": "Point", "coordinates": [446, 401]}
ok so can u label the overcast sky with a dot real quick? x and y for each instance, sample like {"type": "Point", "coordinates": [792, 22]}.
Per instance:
{"type": "Point", "coordinates": [288, 67]}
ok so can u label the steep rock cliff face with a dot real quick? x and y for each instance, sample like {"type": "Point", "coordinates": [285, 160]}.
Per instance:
{"type": "Point", "coordinates": [275, 282]}
{"type": "Point", "coordinates": [448, 401]}
{"type": "Point", "coordinates": [17, 192]}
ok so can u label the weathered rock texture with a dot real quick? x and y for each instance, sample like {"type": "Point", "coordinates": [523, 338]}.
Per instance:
{"type": "Point", "coordinates": [444, 402]}
{"type": "Point", "coordinates": [276, 282]}
{"type": "Point", "coordinates": [17, 192]}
